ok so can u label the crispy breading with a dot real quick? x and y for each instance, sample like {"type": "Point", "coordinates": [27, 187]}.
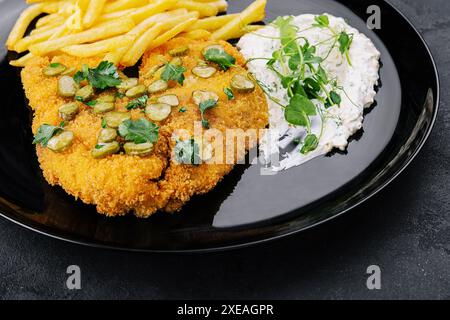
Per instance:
{"type": "Point", "coordinates": [120, 184]}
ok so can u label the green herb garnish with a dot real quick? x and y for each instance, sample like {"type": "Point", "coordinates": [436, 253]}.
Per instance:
{"type": "Point", "coordinates": [138, 103]}
{"type": "Point", "coordinates": [46, 132]}
{"type": "Point", "coordinates": [102, 77]}
{"type": "Point", "coordinates": [310, 144]}
{"type": "Point", "coordinates": [104, 123]}
{"type": "Point", "coordinates": [173, 72]}
{"type": "Point", "coordinates": [322, 21]}
{"type": "Point", "coordinates": [187, 152]}
{"type": "Point", "coordinates": [56, 65]}
{"type": "Point", "coordinates": [299, 110]}
{"type": "Point", "coordinates": [119, 95]}
{"type": "Point", "coordinates": [299, 67]}
{"type": "Point", "coordinates": [345, 41]}
{"type": "Point", "coordinates": [182, 110]}
{"type": "Point", "coordinates": [139, 131]}
{"type": "Point", "coordinates": [229, 93]}
{"type": "Point", "coordinates": [220, 57]}
{"type": "Point", "coordinates": [205, 105]}
{"type": "Point", "coordinates": [91, 103]}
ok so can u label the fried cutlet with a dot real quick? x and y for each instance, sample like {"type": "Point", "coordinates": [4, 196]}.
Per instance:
{"type": "Point", "coordinates": [121, 183]}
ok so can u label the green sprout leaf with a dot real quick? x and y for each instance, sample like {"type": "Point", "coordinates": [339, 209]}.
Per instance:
{"type": "Point", "coordinates": [335, 97]}
{"type": "Point", "coordinates": [322, 21]}
{"type": "Point", "coordinates": [299, 110]}
{"type": "Point", "coordinates": [310, 144]}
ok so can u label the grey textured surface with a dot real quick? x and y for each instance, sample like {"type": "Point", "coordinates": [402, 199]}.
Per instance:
{"type": "Point", "coordinates": [405, 230]}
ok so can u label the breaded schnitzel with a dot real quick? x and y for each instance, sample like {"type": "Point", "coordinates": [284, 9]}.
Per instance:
{"type": "Point", "coordinates": [122, 183]}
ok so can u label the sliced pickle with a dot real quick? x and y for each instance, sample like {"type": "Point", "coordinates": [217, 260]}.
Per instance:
{"type": "Point", "coordinates": [158, 111]}
{"type": "Point", "coordinates": [242, 84]}
{"type": "Point", "coordinates": [204, 71]}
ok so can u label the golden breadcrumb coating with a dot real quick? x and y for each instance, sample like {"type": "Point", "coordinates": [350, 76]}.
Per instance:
{"type": "Point", "coordinates": [120, 183]}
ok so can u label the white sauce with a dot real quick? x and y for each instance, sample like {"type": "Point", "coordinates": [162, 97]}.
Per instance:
{"type": "Point", "coordinates": [357, 80]}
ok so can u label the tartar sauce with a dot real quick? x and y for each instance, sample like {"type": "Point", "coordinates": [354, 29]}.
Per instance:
{"type": "Point", "coordinates": [356, 80]}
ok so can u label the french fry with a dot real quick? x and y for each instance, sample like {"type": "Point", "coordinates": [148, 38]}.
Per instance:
{"type": "Point", "coordinates": [52, 7]}
{"type": "Point", "coordinates": [171, 33]}
{"type": "Point", "coordinates": [100, 47]}
{"type": "Point", "coordinates": [205, 9]}
{"type": "Point", "coordinates": [221, 5]}
{"type": "Point", "coordinates": [122, 30]}
{"type": "Point", "coordinates": [245, 30]}
{"type": "Point", "coordinates": [132, 56]}
{"type": "Point", "coordinates": [116, 56]}
{"type": "Point", "coordinates": [58, 34]}
{"type": "Point", "coordinates": [24, 43]}
{"type": "Point", "coordinates": [83, 5]}
{"type": "Point", "coordinates": [151, 9]}
{"type": "Point", "coordinates": [22, 24]}
{"type": "Point", "coordinates": [93, 11]}
{"type": "Point", "coordinates": [168, 21]}
{"type": "Point", "coordinates": [50, 25]}
{"type": "Point", "coordinates": [124, 4]}
{"type": "Point", "coordinates": [174, 21]}
{"type": "Point", "coordinates": [251, 14]}
{"type": "Point", "coordinates": [199, 34]}
{"type": "Point", "coordinates": [114, 15]}
{"type": "Point", "coordinates": [48, 19]}
{"type": "Point", "coordinates": [75, 21]}
{"type": "Point", "coordinates": [213, 23]}
{"type": "Point", "coordinates": [21, 62]}
{"type": "Point", "coordinates": [101, 32]}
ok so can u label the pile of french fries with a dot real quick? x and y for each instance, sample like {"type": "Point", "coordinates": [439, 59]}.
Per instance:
{"type": "Point", "coordinates": [121, 31]}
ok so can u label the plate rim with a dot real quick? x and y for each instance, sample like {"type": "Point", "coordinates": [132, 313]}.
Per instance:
{"type": "Point", "coordinates": [389, 180]}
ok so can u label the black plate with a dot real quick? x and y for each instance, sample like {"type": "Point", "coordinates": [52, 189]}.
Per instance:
{"type": "Point", "coordinates": [246, 207]}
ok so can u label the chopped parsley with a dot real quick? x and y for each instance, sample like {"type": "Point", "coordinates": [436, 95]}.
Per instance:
{"type": "Point", "coordinates": [137, 103]}
{"type": "Point", "coordinates": [220, 57]}
{"type": "Point", "coordinates": [91, 103]}
{"type": "Point", "coordinates": [104, 76]}
{"type": "Point", "coordinates": [229, 93]}
{"type": "Point", "coordinates": [56, 65]}
{"type": "Point", "coordinates": [174, 73]}
{"type": "Point", "coordinates": [104, 123]}
{"type": "Point", "coordinates": [205, 105]}
{"type": "Point", "coordinates": [182, 110]}
{"type": "Point", "coordinates": [46, 132]}
{"type": "Point", "coordinates": [119, 95]}
{"type": "Point", "coordinates": [139, 131]}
